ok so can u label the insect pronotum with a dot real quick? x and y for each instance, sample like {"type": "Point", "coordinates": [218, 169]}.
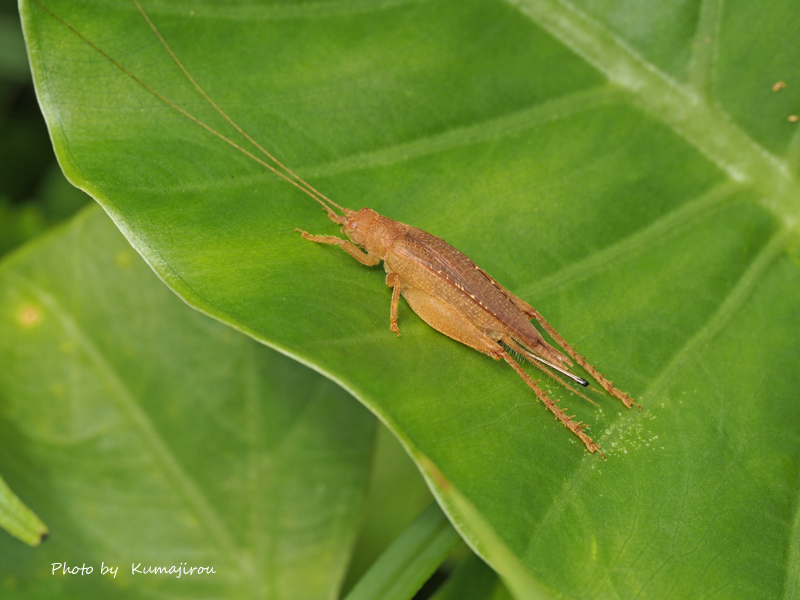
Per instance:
{"type": "Point", "coordinates": [440, 284]}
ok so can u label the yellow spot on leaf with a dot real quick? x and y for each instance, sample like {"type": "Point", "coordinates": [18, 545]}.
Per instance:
{"type": "Point", "coordinates": [29, 315]}
{"type": "Point", "coordinates": [67, 346]}
{"type": "Point", "coordinates": [58, 388]}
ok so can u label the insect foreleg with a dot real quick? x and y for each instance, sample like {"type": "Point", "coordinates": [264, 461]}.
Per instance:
{"type": "Point", "coordinates": [364, 258]}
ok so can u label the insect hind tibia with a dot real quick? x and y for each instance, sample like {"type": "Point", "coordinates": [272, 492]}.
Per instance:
{"type": "Point", "coordinates": [560, 414]}
{"type": "Point", "coordinates": [607, 385]}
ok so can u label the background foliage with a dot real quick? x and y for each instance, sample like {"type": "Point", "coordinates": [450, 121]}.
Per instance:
{"type": "Point", "coordinates": [625, 167]}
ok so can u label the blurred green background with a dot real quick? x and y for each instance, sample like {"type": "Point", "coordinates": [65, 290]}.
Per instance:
{"type": "Point", "coordinates": [34, 194]}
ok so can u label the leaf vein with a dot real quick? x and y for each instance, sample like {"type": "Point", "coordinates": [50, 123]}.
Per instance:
{"type": "Point", "coordinates": [628, 248]}
{"type": "Point", "coordinates": [320, 9]}
{"type": "Point", "coordinates": [702, 124]}
{"type": "Point", "coordinates": [183, 483]}
{"type": "Point", "coordinates": [730, 305]}
{"type": "Point", "coordinates": [704, 48]}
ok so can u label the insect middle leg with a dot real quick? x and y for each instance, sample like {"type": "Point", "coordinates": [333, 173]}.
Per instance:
{"type": "Point", "coordinates": [445, 319]}
{"type": "Point", "coordinates": [393, 281]}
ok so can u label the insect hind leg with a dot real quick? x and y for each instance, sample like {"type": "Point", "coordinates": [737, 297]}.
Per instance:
{"type": "Point", "coordinates": [596, 375]}
{"type": "Point", "coordinates": [447, 320]}
{"type": "Point", "coordinates": [578, 428]}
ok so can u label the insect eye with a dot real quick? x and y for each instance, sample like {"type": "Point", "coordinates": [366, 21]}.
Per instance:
{"type": "Point", "coordinates": [364, 209]}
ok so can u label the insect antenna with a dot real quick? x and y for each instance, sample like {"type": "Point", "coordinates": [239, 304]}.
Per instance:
{"type": "Point", "coordinates": [290, 177]}
{"type": "Point", "coordinates": [300, 182]}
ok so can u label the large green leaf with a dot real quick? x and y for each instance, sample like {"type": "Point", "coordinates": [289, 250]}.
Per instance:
{"type": "Point", "coordinates": [145, 433]}
{"type": "Point", "coordinates": [626, 167]}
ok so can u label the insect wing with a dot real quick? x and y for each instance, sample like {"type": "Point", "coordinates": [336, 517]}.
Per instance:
{"type": "Point", "coordinates": [435, 256]}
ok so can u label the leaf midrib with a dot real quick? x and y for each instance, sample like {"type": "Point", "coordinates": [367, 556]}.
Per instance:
{"type": "Point", "coordinates": [683, 108]}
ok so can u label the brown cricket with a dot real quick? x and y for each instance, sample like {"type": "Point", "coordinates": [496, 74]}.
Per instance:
{"type": "Point", "coordinates": [441, 285]}
{"type": "Point", "coordinates": [456, 297]}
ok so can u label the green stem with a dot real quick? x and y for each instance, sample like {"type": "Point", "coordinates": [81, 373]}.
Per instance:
{"type": "Point", "coordinates": [18, 519]}
{"type": "Point", "coordinates": [411, 559]}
